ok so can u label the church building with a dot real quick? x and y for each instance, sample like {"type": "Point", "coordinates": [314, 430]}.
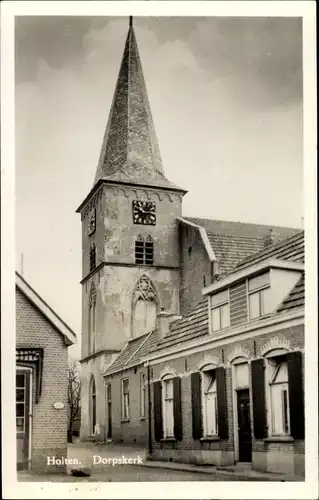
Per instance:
{"type": "Point", "coordinates": [141, 260]}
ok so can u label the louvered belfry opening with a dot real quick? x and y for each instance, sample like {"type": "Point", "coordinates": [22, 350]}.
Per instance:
{"type": "Point", "coordinates": [144, 250]}
{"type": "Point", "coordinates": [139, 250]}
{"type": "Point", "coordinates": [149, 251]}
{"type": "Point", "coordinates": [92, 257]}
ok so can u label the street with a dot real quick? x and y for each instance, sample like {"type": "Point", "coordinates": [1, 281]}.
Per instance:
{"type": "Point", "coordinates": [84, 454]}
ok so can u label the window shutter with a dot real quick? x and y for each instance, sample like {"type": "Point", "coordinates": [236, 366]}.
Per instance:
{"type": "Point", "coordinates": [196, 405]}
{"type": "Point", "coordinates": [220, 373]}
{"type": "Point", "coordinates": [158, 417]}
{"type": "Point", "coordinates": [178, 422]}
{"type": "Point", "coordinates": [259, 402]}
{"type": "Point", "coordinates": [296, 395]}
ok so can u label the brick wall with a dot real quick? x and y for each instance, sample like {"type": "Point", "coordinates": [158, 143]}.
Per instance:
{"type": "Point", "coordinates": [191, 450]}
{"type": "Point", "coordinates": [49, 426]}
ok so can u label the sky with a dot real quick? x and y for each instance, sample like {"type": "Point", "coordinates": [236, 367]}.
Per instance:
{"type": "Point", "coordinates": [226, 100]}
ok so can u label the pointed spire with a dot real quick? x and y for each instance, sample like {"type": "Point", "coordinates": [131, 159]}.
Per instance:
{"type": "Point", "coordinates": [130, 151]}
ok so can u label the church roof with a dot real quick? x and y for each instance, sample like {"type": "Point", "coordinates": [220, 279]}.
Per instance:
{"type": "Point", "coordinates": [195, 323]}
{"type": "Point", "coordinates": [132, 353]}
{"type": "Point", "coordinates": [231, 242]}
{"type": "Point", "coordinates": [130, 151]}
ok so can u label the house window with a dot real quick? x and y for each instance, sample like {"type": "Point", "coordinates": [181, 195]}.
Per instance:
{"type": "Point", "coordinates": [93, 406]}
{"type": "Point", "coordinates": [210, 413]}
{"type": "Point", "coordinates": [143, 393]}
{"type": "Point", "coordinates": [144, 250]}
{"type": "Point", "coordinates": [220, 310]}
{"type": "Point", "coordinates": [20, 401]}
{"type": "Point", "coordinates": [125, 399]}
{"type": "Point", "coordinates": [279, 396]}
{"type": "Point", "coordinates": [259, 295]}
{"type": "Point", "coordinates": [92, 257]}
{"type": "Point", "coordinates": [168, 408]}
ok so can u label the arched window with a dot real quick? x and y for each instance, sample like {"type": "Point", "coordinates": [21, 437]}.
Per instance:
{"type": "Point", "coordinates": [144, 307]}
{"type": "Point", "coordinates": [93, 405]}
{"type": "Point", "coordinates": [210, 413]}
{"type": "Point", "coordinates": [144, 250]}
{"type": "Point", "coordinates": [92, 257]}
{"type": "Point", "coordinates": [279, 398]}
{"type": "Point", "coordinates": [92, 320]}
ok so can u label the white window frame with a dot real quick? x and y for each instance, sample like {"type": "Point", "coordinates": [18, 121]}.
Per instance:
{"type": "Point", "coordinates": [257, 291]}
{"type": "Point", "coordinates": [219, 306]}
{"type": "Point", "coordinates": [125, 400]}
{"type": "Point", "coordinates": [206, 375]}
{"type": "Point", "coordinates": [165, 408]}
{"type": "Point", "coordinates": [143, 394]}
{"type": "Point", "coordinates": [277, 356]}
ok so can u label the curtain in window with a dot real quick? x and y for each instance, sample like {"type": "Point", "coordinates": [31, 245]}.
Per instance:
{"type": "Point", "coordinates": [168, 408]}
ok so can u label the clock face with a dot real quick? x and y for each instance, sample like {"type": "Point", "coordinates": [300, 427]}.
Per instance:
{"type": "Point", "coordinates": [91, 223]}
{"type": "Point", "coordinates": [144, 212]}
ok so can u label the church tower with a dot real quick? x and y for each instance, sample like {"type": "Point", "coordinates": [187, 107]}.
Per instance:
{"type": "Point", "coordinates": [130, 246]}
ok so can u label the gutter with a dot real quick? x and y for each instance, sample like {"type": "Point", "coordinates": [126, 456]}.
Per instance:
{"type": "Point", "coordinates": [212, 338]}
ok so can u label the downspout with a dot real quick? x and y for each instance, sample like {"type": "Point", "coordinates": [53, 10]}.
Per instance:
{"type": "Point", "coordinates": [150, 447]}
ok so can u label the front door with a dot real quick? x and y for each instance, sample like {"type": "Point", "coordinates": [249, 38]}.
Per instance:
{"type": "Point", "coordinates": [244, 426]}
{"type": "Point", "coordinates": [109, 412]}
{"type": "Point", "coordinates": [23, 379]}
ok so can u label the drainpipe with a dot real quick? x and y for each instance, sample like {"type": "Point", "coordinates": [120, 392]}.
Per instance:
{"type": "Point", "coordinates": [150, 448]}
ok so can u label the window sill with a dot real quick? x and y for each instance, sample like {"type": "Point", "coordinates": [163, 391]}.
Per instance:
{"type": "Point", "coordinates": [125, 420]}
{"type": "Point", "coordinates": [168, 440]}
{"type": "Point", "coordinates": [279, 439]}
{"type": "Point", "coordinates": [209, 438]}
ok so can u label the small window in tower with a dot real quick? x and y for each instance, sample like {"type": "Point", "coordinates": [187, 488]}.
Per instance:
{"type": "Point", "coordinates": [92, 257]}
{"type": "Point", "coordinates": [149, 251]}
{"type": "Point", "coordinates": [189, 251]}
{"type": "Point", "coordinates": [139, 250]}
{"type": "Point", "coordinates": [144, 250]}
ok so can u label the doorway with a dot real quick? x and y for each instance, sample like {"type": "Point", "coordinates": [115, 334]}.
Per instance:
{"type": "Point", "coordinates": [244, 426]}
{"type": "Point", "coordinates": [23, 413]}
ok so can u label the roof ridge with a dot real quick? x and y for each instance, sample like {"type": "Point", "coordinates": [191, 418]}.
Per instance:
{"type": "Point", "coordinates": [243, 223]}
{"type": "Point", "coordinates": [278, 245]}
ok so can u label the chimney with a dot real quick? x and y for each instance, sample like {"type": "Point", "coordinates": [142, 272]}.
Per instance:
{"type": "Point", "coordinates": [271, 238]}
{"type": "Point", "coordinates": [165, 318]}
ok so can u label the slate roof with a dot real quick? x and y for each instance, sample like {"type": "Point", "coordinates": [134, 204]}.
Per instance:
{"type": "Point", "coordinates": [234, 241]}
{"type": "Point", "coordinates": [130, 151]}
{"type": "Point", "coordinates": [133, 352]}
{"type": "Point", "coordinates": [195, 323]}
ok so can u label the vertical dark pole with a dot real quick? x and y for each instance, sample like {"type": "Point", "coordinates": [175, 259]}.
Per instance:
{"type": "Point", "coordinates": [150, 448]}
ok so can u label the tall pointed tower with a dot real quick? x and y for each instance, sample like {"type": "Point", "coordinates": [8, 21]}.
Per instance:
{"type": "Point", "coordinates": [130, 246]}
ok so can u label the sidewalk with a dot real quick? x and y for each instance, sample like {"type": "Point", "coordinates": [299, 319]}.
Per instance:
{"type": "Point", "coordinates": [86, 450]}
{"type": "Point", "coordinates": [240, 475]}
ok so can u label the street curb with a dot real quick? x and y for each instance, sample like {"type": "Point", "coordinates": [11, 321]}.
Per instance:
{"type": "Point", "coordinates": [215, 472]}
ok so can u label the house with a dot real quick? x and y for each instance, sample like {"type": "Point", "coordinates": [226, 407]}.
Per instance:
{"type": "Point", "coordinates": [140, 255]}
{"type": "Point", "coordinates": [42, 341]}
{"type": "Point", "coordinates": [227, 383]}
